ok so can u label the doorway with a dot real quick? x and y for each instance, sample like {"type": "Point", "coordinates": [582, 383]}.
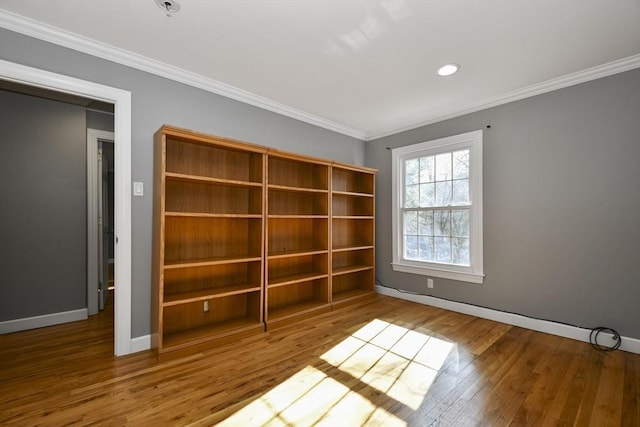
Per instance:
{"type": "Point", "coordinates": [121, 101]}
{"type": "Point", "coordinates": [100, 216]}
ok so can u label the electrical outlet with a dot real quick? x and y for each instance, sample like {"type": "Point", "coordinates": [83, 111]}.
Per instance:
{"type": "Point", "coordinates": [206, 306]}
{"type": "Point", "coordinates": [430, 283]}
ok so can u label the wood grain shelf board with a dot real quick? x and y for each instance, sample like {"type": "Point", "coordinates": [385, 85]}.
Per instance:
{"type": "Point", "coordinates": [350, 269]}
{"type": "Point", "coordinates": [293, 216]}
{"type": "Point", "coordinates": [351, 193]}
{"type": "Point", "coordinates": [201, 138]}
{"type": "Point", "coordinates": [304, 252]}
{"type": "Point", "coordinates": [351, 248]}
{"type": "Point", "coordinates": [207, 294]}
{"type": "Point", "coordinates": [296, 189]}
{"type": "Point", "coordinates": [286, 155]}
{"type": "Point", "coordinates": [178, 340]}
{"type": "Point", "coordinates": [210, 261]}
{"type": "Point", "coordinates": [350, 294]}
{"type": "Point", "coordinates": [208, 180]}
{"type": "Point", "coordinates": [298, 278]}
{"type": "Point", "coordinates": [354, 168]}
{"type": "Point", "coordinates": [278, 314]}
{"type": "Point", "coordinates": [211, 215]}
{"type": "Point", "coordinates": [352, 217]}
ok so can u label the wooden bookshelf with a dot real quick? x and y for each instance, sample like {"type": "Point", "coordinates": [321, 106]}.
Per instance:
{"type": "Point", "coordinates": [208, 239]}
{"type": "Point", "coordinates": [248, 238]}
{"type": "Point", "coordinates": [352, 234]}
{"type": "Point", "coordinates": [297, 261]}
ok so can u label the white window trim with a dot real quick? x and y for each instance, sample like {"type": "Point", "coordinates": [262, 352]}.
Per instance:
{"type": "Point", "coordinates": [475, 272]}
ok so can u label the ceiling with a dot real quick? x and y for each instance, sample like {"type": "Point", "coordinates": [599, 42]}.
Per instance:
{"type": "Point", "coordinates": [363, 68]}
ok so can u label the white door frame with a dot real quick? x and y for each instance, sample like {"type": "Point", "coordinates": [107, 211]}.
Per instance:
{"type": "Point", "coordinates": [93, 230]}
{"type": "Point", "coordinates": [121, 99]}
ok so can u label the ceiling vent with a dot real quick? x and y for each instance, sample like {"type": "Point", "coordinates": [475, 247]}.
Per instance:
{"type": "Point", "coordinates": [170, 7]}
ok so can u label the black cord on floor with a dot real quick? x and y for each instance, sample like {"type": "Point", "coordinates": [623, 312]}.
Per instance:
{"type": "Point", "coordinates": [593, 335]}
{"type": "Point", "coordinates": [593, 339]}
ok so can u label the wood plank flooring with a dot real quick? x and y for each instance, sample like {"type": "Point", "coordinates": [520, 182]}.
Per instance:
{"type": "Point", "coordinates": [389, 363]}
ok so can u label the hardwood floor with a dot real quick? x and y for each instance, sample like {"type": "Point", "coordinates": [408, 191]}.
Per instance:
{"type": "Point", "coordinates": [387, 363]}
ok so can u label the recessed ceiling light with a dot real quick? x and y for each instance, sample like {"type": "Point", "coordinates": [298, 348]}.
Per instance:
{"type": "Point", "coordinates": [449, 69]}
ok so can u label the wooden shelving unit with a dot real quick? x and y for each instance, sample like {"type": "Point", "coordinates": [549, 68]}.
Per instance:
{"type": "Point", "coordinates": [248, 238]}
{"type": "Point", "coordinates": [297, 271]}
{"type": "Point", "coordinates": [208, 239]}
{"type": "Point", "coordinates": [352, 234]}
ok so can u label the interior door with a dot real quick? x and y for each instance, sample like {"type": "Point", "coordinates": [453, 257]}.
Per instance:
{"type": "Point", "coordinates": [103, 227]}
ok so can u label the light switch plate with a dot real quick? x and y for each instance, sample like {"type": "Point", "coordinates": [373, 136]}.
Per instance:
{"type": "Point", "coordinates": [138, 188]}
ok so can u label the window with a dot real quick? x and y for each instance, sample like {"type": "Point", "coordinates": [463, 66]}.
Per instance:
{"type": "Point", "coordinates": [437, 208]}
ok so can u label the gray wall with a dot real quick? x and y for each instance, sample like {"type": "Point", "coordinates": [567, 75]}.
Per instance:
{"type": "Point", "coordinates": [42, 206]}
{"type": "Point", "coordinates": [156, 101]}
{"type": "Point", "coordinates": [99, 120]}
{"type": "Point", "coordinates": [561, 206]}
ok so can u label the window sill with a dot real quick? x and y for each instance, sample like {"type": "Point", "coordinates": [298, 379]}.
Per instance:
{"type": "Point", "coordinates": [444, 274]}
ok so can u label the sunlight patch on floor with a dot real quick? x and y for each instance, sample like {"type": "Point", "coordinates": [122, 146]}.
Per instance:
{"type": "Point", "coordinates": [399, 362]}
{"type": "Point", "coordinates": [378, 358]}
{"type": "Point", "coordinates": [308, 398]}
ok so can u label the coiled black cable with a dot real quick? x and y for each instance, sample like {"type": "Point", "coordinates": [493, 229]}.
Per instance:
{"type": "Point", "coordinates": [593, 339]}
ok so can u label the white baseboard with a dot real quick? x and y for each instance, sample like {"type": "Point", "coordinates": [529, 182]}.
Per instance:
{"type": "Point", "coordinates": [140, 343]}
{"type": "Point", "coordinates": [26, 323]}
{"type": "Point", "coordinates": [631, 345]}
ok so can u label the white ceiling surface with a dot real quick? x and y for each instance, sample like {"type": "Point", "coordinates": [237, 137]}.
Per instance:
{"type": "Point", "coordinates": [367, 67]}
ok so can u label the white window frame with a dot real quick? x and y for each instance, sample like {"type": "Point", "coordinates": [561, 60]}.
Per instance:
{"type": "Point", "coordinates": [474, 273]}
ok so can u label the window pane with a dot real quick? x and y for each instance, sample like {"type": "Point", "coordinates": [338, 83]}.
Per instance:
{"type": "Point", "coordinates": [411, 172]}
{"type": "Point", "coordinates": [460, 249]}
{"type": "Point", "coordinates": [411, 222]}
{"type": "Point", "coordinates": [425, 248]}
{"type": "Point", "coordinates": [461, 164]}
{"type": "Point", "coordinates": [443, 249]}
{"type": "Point", "coordinates": [411, 196]}
{"type": "Point", "coordinates": [443, 193]}
{"type": "Point", "coordinates": [425, 223]}
{"type": "Point", "coordinates": [461, 192]}
{"type": "Point", "coordinates": [427, 195]}
{"type": "Point", "coordinates": [460, 223]}
{"type": "Point", "coordinates": [443, 167]}
{"type": "Point", "coordinates": [441, 223]}
{"type": "Point", "coordinates": [427, 172]}
{"type": "Point", "coordinates": [410, 247]}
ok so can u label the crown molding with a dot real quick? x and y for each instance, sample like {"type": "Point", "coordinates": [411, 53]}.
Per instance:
{"type": "Point", "coordinates": [604, 70]}
{"type": "Point", "coordinates": [32, 28]}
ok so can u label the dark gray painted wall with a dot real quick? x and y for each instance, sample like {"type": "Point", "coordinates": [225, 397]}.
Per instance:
{"type": "Point", "coordinates": [561, 206]}
{"type": "Point", "coordinates": [99, 120]}
{"type": "Point", "coordinates": [42, 206]}
{"type": "Point", "coordinates": [156, 101]}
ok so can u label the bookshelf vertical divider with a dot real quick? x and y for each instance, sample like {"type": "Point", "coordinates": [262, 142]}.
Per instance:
{"type": "Point", "coordinates": [248, 238]}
